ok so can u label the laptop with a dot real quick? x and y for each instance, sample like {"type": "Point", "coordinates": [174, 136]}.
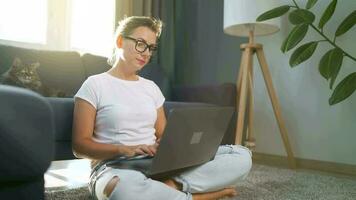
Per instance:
{"type": "Point", "coordinates": [191, 137]}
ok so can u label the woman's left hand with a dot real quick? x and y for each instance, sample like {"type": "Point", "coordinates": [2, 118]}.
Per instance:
{"type": "Point", "coordinates": [145, 149]}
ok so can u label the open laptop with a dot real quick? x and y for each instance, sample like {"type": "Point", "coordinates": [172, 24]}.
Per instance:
{"type": "Point", "coordinates": [191, 137]}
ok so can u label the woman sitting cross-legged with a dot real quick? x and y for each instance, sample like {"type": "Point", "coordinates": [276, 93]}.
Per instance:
{"type": "Point", "coordinates": [118, 113]}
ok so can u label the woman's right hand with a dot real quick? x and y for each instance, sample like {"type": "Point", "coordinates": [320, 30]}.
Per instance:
{"type": "Point", "coordinates": [142, 149]}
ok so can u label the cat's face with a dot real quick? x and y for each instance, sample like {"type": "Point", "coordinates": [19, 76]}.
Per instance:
{"type": "Point", "coordinates": [26, 74]}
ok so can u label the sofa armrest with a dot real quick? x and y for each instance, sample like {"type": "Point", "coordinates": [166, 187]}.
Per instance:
{"type": "Point", "coordinates": [223, 94]}
{"type": "Point", "coordinates": [63, 119]}
{"type": "Point", "coordinates": [26, 134]}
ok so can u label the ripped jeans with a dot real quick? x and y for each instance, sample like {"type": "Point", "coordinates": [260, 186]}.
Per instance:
{"type": "Point", "coordinates": [231, 164]}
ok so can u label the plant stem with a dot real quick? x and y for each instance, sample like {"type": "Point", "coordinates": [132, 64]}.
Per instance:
{"type": "Point", "coordinates": [295, 4]}
{"type": "Point", "coordinates": [326, 38]}
{"type": "Point", "coordinates": [331, 42]}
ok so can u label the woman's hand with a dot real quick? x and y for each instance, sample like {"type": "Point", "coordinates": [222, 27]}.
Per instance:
{"type": "Point", "coordinates": [141, 149]}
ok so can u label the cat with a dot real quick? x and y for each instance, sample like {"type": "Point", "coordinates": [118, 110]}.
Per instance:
{"type": "Point", "coordinates": [27, 76]}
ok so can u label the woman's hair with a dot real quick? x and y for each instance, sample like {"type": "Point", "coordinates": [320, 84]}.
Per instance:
{"type": "Point", "coordinates": [128, 25]}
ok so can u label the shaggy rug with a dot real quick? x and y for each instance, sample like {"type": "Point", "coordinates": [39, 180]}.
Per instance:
{"type": "Point", "coordinates": [266, 183]}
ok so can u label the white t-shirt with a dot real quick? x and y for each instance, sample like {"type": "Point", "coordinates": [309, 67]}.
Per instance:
{"type": "Point", "coordinates": [126, 110]}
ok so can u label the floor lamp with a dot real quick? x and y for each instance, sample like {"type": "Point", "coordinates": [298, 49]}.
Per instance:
{"type": "Point", "coordinates": [240, 20]}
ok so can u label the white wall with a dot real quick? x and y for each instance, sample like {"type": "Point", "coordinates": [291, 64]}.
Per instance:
{"type": "Point", "coordinates": [316, 130]}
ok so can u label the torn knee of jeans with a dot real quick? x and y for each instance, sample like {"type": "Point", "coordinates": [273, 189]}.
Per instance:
{"type": "Point", "coordinates": [109, 188]}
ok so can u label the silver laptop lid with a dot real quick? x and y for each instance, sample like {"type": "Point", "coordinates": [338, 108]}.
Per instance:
{"type": "Point", "coordinates": [191, 137]}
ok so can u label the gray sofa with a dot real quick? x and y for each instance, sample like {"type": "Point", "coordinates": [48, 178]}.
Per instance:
{"type": "Point", "coordinates": [67, 71]}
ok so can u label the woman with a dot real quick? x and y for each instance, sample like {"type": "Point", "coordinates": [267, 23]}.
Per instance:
{"type": "Point", "coordinates": [118, 113]}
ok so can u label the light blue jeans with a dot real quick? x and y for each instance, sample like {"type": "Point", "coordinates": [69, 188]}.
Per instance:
{"type": "Point", "coordinates": [231, 164]}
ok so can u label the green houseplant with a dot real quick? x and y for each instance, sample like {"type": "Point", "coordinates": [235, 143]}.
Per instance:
{"type": "Point", "coordinates": [331, 62]}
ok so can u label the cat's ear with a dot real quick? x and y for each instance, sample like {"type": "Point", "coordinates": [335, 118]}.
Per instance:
{"type": "Point", "coordinates": [17, 62]}
{"type": "Point", "coordinates": [35, 65]}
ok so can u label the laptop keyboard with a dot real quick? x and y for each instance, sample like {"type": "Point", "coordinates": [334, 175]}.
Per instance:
{"type": "Point", "coordinates": [142, 164]}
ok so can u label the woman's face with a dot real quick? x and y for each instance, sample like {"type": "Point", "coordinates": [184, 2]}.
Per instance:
{"type": "Point", "coordinates": [138, 47]}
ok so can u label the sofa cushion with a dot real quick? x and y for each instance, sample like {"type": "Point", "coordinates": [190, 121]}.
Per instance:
{"type": "Point", "coordinates": [94, 64]}
{"type": "Point", "coordinates": [58, 70]}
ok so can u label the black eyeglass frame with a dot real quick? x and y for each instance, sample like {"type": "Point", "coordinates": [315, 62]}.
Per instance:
{"type": "Point", "coordinates": [151, 48]}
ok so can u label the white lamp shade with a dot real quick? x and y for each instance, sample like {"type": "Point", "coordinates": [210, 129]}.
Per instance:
{"type": "Point", "coordinates": [240, 17]}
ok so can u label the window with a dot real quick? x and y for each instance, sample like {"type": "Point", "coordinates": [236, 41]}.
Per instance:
{"type": "Point", "coordinates": [82, 25]}
{"type": "Point", "coordinates": [25, 23]}
{"type": "Point", "coordinates": [92, 26]}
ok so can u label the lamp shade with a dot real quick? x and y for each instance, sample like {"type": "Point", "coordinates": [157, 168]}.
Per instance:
{"type": "Point", "coordinates": [240, 17]}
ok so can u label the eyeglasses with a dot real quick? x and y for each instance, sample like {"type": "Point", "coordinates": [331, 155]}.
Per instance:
{"type": "Point", "coordinates": [141, 46]}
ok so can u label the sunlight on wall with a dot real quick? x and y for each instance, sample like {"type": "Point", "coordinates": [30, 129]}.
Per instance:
{"type": "Point", "coordinates": [19, 23]}
{"type": "Point", "coordinates": [92, 26]}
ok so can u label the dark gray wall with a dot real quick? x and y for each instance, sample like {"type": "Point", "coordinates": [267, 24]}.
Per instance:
{"type": "Point", "coordinates": [204, 54]}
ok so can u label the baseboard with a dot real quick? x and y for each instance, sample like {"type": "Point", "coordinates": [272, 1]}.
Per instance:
{"type": "Point", "coordinates": [324, 166]}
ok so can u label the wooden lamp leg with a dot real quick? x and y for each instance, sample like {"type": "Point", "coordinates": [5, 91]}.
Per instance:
{"type": "Point", "coordinates": [276, 106]}
{"type": "Point", "coordinates": [238, 82]}
{"type": "Point", "coordinates": [250, 140]}
{"type": "Point", "coordinates": [241, 100]}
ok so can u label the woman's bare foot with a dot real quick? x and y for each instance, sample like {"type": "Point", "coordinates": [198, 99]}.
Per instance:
{"type": "Point", "coordinates": [173, 184]}
{"type": "Point", "coordinates": [227, 192]}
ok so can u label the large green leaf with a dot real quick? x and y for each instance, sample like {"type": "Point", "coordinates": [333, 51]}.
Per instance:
{"type": "Point", "coordinates": [345, 25]}
{"type": "Point", "coordinates": [330, 63]}
{"type": "Point", "coordinates": [302, 53]}
{"type": "Point", "coordinates": [295, 36]}
{"type": "Point", "coordinates": [311, 3]}
{"type": "Point", "coordinates": [301, 16]}
{"type": "Point", "coordinates": [327, 14]}
{"type": "Point", "coordinates": [275, 12]}
{"type": "Point", "coordinates": [344, 89]}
